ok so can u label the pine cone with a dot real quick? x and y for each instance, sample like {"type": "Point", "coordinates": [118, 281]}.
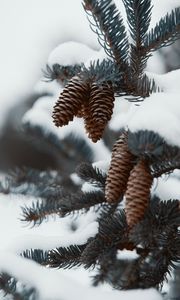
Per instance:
{"type": "Point", "coordinates": [100, 109]}
{"type": "Point", "coordinates": [90, 127]}
{"type": "Point", "coordinates": [70, 101]}
{"type": "Point", "coordinates": [88, 122]}
{"type": "Point", "coordinates": [122, 162]}
{"type": "Point", "coordinates": [138, 192]}
{"type": "Point", "coordinates": [101, 102]}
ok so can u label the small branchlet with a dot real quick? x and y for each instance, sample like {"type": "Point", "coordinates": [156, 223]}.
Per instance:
{"type": "Point", "coordinates": [166, 32]}
{"type": "Point", "coordinates": [65, 258]}
{"type": "Point", "coordinates": [38, 255]}
{"type": "Point", "coordinates": [91, 174]}
{"type": "Point", "coordinates": [61, 206]}
{"type": "Point", "coordinates": [61, 73]}
{"type": "Point", "coordinates": [9, 286]}
{"type": "Point", "coordinates": [109, 27]}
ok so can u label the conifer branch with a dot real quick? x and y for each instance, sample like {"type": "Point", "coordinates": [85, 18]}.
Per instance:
{"type": "Point", "coordinates": [61, 73]}
{"type": "Point", "coordinates": [167, 164]}
{"type": "Point", "coordinates": [109, 28]}
{"type": "Point", "coordinates": [163, 158]}
{"type": "Point", "coordinates": [91, 174]}
{"type": "Point", "coordinates": [50, 143]}
{"type": "Point", "coordinates": [166, 32]}
{"type": "Point", "coordinates": [104, 71]}
{"type": "Point", "coordinates": [65, 258]}
{"type": "Point", "coordinates": [10, 287]}
{"type": "Point", "coordinates": [139, 16]}
{"type": "Point", "coordinates": [62, 205]}
{"type": "Point", "coordinates": [146, 143]}
{"type": "Point", "coordinates": [36, 255]}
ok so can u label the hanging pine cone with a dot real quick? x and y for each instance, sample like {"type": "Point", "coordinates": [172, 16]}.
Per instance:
{"type": "Point", "coordinates": [100, 109]}
{"type": "Point", "coordinates": [138, 192]}
{"type": "Point", "coordinates": [70, 101]}
{"type": "Point", "coordinates": [101, 102]}
{"type": "Point", "coordinates": [90, 127]}
{"type": "Point", "coordinates": [122, 162]}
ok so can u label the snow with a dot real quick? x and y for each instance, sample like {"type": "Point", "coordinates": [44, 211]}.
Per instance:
{"type": "Point", "coordinates": [103, 165]}
{"type": "Point", "coordinates": [155, 112]}
{"type": "Point", "coordinates": [167, 188]}
{"type": "Point", "coordinates": [52, 234]}
{"type": "Point", "coordinates": [123, 109]}
{"type": "Point", "coordinates": [169, 82]}
{"type": "Point", "coordinates": [70, 53]}
{"type": "Point", "coordinates": [38, 27]}
{"type": "Point", "coordinates": [45, 242]}
{"type": "Point", "coordinates": [161, 114]}
{"type": "Point", "coordinates": [18, 237]}
{"type": "Point", "coordinates": [126, 254]}
{"type": "Point", "coordinates": [30, 31]}
{"type": "Point", "coordinates": [58, 284]}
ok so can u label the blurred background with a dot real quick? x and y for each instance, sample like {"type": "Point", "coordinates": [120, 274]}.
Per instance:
{"type": "Point", "coordinates": [29, 31]}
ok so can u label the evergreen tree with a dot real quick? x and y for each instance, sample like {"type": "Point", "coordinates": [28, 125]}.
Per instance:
{"type": "Point", "coordinates": [130, 217]}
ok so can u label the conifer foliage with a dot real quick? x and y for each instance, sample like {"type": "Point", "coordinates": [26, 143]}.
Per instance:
{"type": "Point", "coordinates": [137, 158]}
{"type": "Point", "coordinates": [129, 216]}
{"type": "Point", "coordinates": [128, 58]}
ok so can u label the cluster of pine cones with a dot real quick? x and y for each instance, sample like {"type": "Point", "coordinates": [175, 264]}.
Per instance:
{"type": "Point", "coordinates": [89, 100]}
{"type": "Point", "coordinates": [130, 177]}
{"type": "Point", "coordinates": [94, 103]}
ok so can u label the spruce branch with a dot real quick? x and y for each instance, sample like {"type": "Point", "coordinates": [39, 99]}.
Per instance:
{"type": "Point", "coordinates": [38, 255]}
{"type": "Point", "coordinates": [168, 163]}
{"type": "Point", "coordinates": [61, 73]}
{"type": "Point", "coordinates": [91, 174]}
{"type": "Point", "coordinates": [119, 273]}
{"type": "Point", "coordinates": [139, 16]}
{"type": "Point", "coordinates": [162, 219]}
{"type": "Point", "coordinates": [146, 143]}
{"type": "Point", "coordinates": [81, 201]}
{"type": "Point", "coordinates": [7, 284]}
{"type": "Point", "coordinates": [105, 264]}
{"type": "Point", "coordinates": [166, 32]}
{"type": "Point", "coordinates": [61, 151]}
{"type": "Point", "coordinates": [10, 287]}
{"type": "Point", "coordinates": [109, 27]}
{"type": "Point", "coordinates": [104, 71]}
{"type": "Point", "coordinates": [112, 234]}
{"type": "Point", "coordinates": [143, 88]}
{"type": "Point", "coordinates": [163, 158]}
{"type": "Point", "coordinates": [64, 204]}
{"type": "Point", "coordinates": [113, 229]}
{"type": "Point", "coordinates": [65, 258]}
{"type": "Point", "coordinates": [36, 213]}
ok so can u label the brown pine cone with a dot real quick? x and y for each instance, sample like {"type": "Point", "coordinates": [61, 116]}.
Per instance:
{"type": "Point", "coordinates": [101, 105]}
{"type": "Point", "coordinates": [89, 125]}
{"type": "Point", "coordinates": [122, 162]}
{"type": "Point", "coordinates": [70, 101]}
{"type": "Point", "coordinates": [93, 131]}
{"type": "Point", "coordinates": [138, 192]}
